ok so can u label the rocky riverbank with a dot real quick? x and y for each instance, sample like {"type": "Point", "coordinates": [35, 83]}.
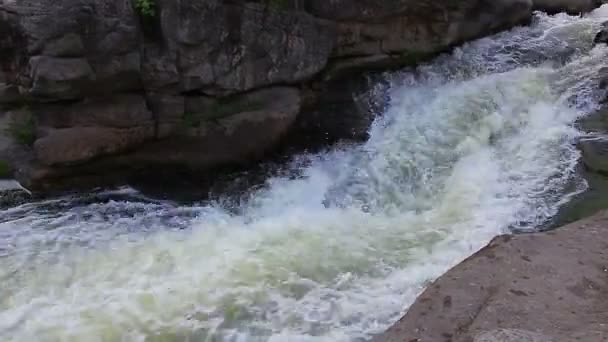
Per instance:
{"type": "Point", "coordinates": [544, 287]}
{"type": "Point", "coordinates": [474, 143]}
{"type": "Point", "coordinates": [95, 92]}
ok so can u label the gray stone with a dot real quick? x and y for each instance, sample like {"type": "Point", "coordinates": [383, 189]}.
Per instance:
{"type": "Point", "coordinates": [543, 287]}
{"type": "Point", "coordinates": [67, 146]}
{"type": "Point", "coordinates": [70, 45]}
{"type": "Point", "coordinates": [236, 48]}
{"type": "Point", "coordinates": [118, 111]}
{"type": "Point", "coordinates": [168, 113]}
{"type": "Point", "coordinates": [595, 155]}
{"type": "Point", "coordinates": [206, 68]}
{"type": "Point", "coordinates": [236, 135]}
{"type": "Point", "coordinates": [416, 27]}
{"type": "Point", "coordinates": [60, 78]}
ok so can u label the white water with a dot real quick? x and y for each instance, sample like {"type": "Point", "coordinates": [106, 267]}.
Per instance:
{"type": "Point", "coordinates": [472, 145]}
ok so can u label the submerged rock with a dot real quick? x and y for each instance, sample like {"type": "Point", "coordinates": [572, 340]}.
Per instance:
{"type": "Point", "coordinates": [550, 286]}
{"type": "Point", "coordinates": [12, 194]}
{"type": "Point", "coordinates": [602, 36]}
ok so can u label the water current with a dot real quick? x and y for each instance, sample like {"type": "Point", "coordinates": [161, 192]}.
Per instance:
{"type": "Point", "coordinates": [477, 143]}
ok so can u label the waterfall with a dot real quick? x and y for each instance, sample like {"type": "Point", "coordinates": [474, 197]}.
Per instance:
{"type": "Point", "coordinates": [476, 143]}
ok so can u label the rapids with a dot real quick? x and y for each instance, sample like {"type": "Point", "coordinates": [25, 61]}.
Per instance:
{"type": "Point", "coordinates": [477, 143]}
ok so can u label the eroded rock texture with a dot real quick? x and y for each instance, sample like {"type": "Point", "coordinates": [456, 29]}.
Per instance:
{"type": "Point", "coordinates": [102, 84]}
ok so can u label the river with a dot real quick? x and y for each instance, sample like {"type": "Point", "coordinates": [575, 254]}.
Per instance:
{"type": "Point", "coordinates": [477, 143]}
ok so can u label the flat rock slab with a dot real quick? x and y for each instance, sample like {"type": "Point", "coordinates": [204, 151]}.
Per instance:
{"type": "Point", "coordinates": [543, 287]}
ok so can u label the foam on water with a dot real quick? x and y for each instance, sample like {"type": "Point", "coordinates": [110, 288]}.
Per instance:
{"type": "Point", "coordinates": [476, 143]}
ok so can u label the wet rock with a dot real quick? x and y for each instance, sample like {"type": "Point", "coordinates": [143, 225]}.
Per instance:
{"type": "Point", "coordinates": [593, 169]}
{"type": "Point", "coordinates": [541, 287]}
{"type": "Point", "coordinates": [594, 147]}
{"type": "Point", "coordinates": [595, 155]}
{"type": "Point", "coordinates": [602, 36]}
{"type": "Point", "coordinates": [341, 110]}
{"type": "Point", "coordinates": [13, 198]}
{"type": "Point", "coordinates": [569, 6]}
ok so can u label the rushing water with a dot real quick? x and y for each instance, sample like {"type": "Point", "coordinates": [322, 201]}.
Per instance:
{"type": "Point", "coordinates": [474, 144]}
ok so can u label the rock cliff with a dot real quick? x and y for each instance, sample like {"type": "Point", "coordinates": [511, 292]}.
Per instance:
{"type": "Point", "coordinates": [99, 88]}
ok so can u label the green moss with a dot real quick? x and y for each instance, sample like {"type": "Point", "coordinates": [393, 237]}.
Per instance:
{"type": "Point", "coordinates": [146, 8]}
{"type": "Point", "coordinates": [22, 130]}
{"type": "Point", "coordinates": [5, 169]}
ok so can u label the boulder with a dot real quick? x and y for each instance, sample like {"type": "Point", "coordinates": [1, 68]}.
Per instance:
{"type": "Point", "coordinates": [401, 32]}
{"type": "Point", "coordinates": [59, 78]}
{"type": "Point", "coordinates": [81, 144]}
{"type": "Point", "coordinates": [117, 111]}
{"type": "Point", "coordinates": [602, 36]}
{"type": "Point", "coordinates": [229, 132]}
{"type": "Point", "coordinates": [241, 46]}
{"type": "Point", "coordinates": [340, 110]}
{"type": "Point", "coordinates": [543, 287]}
{"type": "Point", "coordinates": [81, 131]}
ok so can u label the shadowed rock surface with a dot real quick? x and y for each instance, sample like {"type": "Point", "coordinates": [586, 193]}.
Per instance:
{"type": "Point", "coordinates": [99, 83]}
{"type": "Point", "coordinates": [543, 287]}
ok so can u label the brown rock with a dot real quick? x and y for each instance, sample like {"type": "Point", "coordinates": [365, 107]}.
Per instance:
{"type": "Point", "coordinates": [411, 28]}
{"type": "Point", "coordinates": [80, 144]}
{"type": "Point", "coordinates": [118, 111]}
{"type": "Point", "coordinates": [540, 287]}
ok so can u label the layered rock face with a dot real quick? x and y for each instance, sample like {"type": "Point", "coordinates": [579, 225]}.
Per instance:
{"type": "Point", "coordinates": [95, 86]}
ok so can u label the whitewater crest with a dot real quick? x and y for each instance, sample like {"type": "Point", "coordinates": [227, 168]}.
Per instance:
{"type": "Point", "coordinates": [476, 143]}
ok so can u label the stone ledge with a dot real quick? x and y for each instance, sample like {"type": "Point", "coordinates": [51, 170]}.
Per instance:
{"type": "Point", "coordinates": [550, 286]}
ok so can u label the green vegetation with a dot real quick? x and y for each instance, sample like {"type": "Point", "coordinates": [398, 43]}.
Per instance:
{"type": "Point", "coordinates": [5, 169]}
{"type": "Point", "coordinates": [22, 130]}
{"type": "Point", "coordinates": [221, 109]}
{"type": "Point", "coordinates": [146, 8]}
